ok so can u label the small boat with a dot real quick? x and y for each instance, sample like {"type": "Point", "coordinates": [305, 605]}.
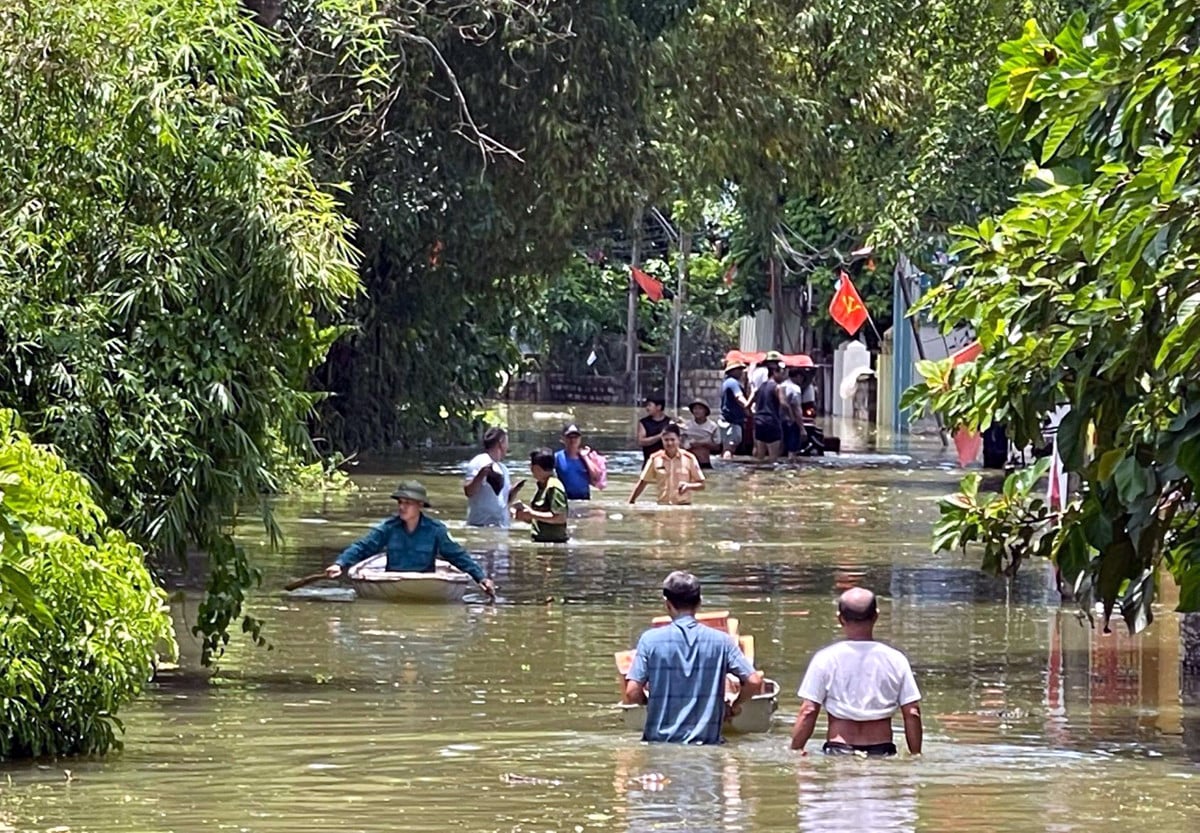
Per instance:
{"type": "Point", "coordinates": [372, 580]}
{"type": "Point", "coordinates": [755, 713]}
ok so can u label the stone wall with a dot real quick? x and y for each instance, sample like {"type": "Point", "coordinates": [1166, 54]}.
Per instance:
{"type": "Point", "coordinates": [610, 390]}
{"type": "Point", "coordinates": [700, 384]}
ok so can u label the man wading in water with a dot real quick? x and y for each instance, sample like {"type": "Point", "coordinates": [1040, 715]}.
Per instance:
{"type": "Point", "coordinates": [677, 472]}
{"type": "Point", "coordinates": [488, 484]}
{"type": "Point", "coordinates": [768, 408]}
{"type": "Point", "coordinates": [861, 683]}
{"type": "Point", "coordinates": [679, 671]}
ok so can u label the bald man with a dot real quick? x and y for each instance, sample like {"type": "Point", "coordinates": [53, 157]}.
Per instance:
{"type": "Point", "coordinates": [861, 684]}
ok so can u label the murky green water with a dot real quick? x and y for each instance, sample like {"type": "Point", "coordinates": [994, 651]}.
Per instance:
{"type": "Point", "coordinates": [368, 716]}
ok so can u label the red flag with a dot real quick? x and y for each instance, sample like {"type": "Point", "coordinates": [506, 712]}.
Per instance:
{"type": "Point", "coordinates": [847, 308]}
{"type": "Point", "coordinates": [730, 274]}
{"type": "Point", "coordinates": [652, 288]}
{"type": "Point", "coordinates": [967, 354]}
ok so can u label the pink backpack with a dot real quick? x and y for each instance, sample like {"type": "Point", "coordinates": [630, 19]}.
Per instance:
{"type": "Point", "coordinates": [598, 469]}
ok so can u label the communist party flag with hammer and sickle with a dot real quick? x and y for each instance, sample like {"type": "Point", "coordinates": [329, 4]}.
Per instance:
{"type": "Point", "coordinates": [847, 308]}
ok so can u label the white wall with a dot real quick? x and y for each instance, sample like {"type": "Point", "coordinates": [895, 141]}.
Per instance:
{"type": "Point", "coordinates": [848, 356]}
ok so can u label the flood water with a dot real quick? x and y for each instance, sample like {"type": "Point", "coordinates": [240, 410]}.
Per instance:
{"type": "Point", "coordinates": [370, 716]}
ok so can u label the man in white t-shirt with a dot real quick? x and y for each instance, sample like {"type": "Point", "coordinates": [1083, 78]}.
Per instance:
{"type": "Point", "coordinates": [861, 683]}
{"type": "Point", "coordinates": [488, 484]}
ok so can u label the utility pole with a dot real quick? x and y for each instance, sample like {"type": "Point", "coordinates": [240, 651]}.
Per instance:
{"type": "Point", "coordinates": [685, 245]}
{"type": "Point", "coordinates": [631, 313]}
{"type": "Point", "coordinates": [776, 303]}
{"type": "Point", "coordinates": [805, 304]}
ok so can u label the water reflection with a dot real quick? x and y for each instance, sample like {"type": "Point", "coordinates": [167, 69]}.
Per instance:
{"type": "Point", "coordinates": [1190, 721]}
{"type": "Point", "coordinates": [839, 794]}
{"type": "Point", "coordinates": [694, 789]}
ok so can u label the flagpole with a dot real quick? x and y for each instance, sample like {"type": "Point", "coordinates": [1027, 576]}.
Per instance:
{"type": "Point", "coordinates": [871, 321]}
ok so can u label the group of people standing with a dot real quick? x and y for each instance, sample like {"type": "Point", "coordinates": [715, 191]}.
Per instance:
{"type": "Point", "coordinates": [776, 401]}
{"type": "Point", "coordinates": [675, 455]}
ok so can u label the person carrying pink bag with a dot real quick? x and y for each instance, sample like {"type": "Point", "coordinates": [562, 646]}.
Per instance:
{"type": "Point", "coordinates": [579, 467]}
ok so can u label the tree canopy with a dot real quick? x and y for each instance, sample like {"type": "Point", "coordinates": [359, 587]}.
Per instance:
{"type": "Point", "coordinates": [164, 253]}
{"type": "Point", "coordinates": [844, 122]}
{"type": "Point", "coordinates": [481, 142]}
{"type": "Point", "coordinates": [475, 139]}
{"type": "Point", "coordinates": [1085, 294]}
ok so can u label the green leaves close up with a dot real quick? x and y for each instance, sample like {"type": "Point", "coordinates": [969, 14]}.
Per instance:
{"type": "Point", "coordinates": [1084, 294]}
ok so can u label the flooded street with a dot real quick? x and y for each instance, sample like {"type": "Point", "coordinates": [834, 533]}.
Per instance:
{"type": "Point", "coordinates": [369, 716]}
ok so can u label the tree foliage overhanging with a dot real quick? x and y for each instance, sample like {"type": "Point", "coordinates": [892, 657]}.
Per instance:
{"type": "Point", "coordinates": [846, 122]}
{"type": "Point", "coordinates": [475, 138]}
{"type": "Point", "coordinates": [869, 109]}
{"type": "Point", "coordinates": [1085, 294]}
{"type": "Point", "coordinates": [164, 250]}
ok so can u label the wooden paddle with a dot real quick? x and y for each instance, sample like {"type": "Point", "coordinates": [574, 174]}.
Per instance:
{"type": "Point", "coordinates": [304, 582]}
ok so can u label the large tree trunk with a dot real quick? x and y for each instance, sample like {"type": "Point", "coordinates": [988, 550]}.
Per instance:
{"type": "Point", "coordinates": [266, 12]}
{"type": "Point", "coordinates": [1189, 644]}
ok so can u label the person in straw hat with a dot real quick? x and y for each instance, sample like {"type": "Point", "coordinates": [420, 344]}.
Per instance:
{"type": "Point", "coordinates": [413, 541]}
{"type": "Point", "coordinates": [734, 406]}
{"type": "Point", "coordinates": [700, 434]}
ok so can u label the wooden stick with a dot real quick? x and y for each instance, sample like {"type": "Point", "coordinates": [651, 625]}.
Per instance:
{"type": "Point", "coordinates": [302, 582]}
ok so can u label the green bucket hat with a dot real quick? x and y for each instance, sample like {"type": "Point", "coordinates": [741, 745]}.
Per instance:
{"type": "Point", "coordinates": [411, 490]}
{"type": "Point", "coordinates": [773, 357]}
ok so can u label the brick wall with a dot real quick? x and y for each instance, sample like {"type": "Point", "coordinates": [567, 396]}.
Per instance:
{"type": "Point", "coordinates": [610, 390]}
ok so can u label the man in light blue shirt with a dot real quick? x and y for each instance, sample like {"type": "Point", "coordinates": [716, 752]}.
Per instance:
{"type": "Point", "coordinates": [679, 671]}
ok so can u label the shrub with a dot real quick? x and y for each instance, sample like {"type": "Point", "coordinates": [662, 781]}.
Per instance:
{"type": "Point", "coordinates": [80, 617]}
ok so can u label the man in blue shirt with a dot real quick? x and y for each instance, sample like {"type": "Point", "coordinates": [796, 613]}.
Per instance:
{"type": "Point", "coordinates": [572, 465]}
{"type": "Point", "coordinates": [679, 671]}
{"type": "Point", "coordinates": [412, 540]}
{"type": "Point", "coordinates": [734, 405]}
